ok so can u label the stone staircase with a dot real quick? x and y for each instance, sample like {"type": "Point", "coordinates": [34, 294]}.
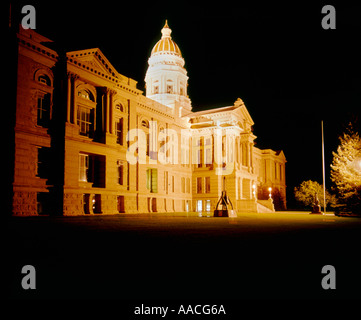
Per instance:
{"type": "Point", "coordinates": [254, 205]}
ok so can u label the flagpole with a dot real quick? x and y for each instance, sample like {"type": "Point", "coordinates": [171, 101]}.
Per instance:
{"type": "Point", "coordinates": [323, 169]}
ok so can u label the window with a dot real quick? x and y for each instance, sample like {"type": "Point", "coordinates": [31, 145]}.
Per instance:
{"type": "Point", "coordinates": [148, 144]}
{"type": "Point", "coordinates": [280, 171]}
{"type": "Point", "coordinates": [208, 157]}
{"type": "Point", "coordinates": [199, 206]}
{"type": "Point", "coordinates": [145, 124]}
{"type": "Point", "coordinates": [276, 170]}
{"type": "Point", "coordinates": [199, 185]}
{"type": "Point", "coordinates": [199, 160]}
{"type": "Point", "coordinates": [43, 109]}
{"type": "Point", "coordinates": [86, 94]}
{"type": "Point", "coordinates": [119, 107]}
{"type": "Point", "coordinates": [208, 184]}
{"type": "Point", "coordinates": [183, 184]}
{"type": "Point", "coordinates": [83, 167]}
{"type": "Point", "coordinates": [188, 185]}
{"type": "Point", "coordinates": [208, 205]}
{"type": "Point", "coordinates": [181, 91]}
{"type": "Point", "coordinates": [92, 169]}
{"type": "Point", "coordinates": [44, 79]}
{"type": "Point", "coordinates": [155, 90]}
{"type": "Point", "coordinates": [120, 173]}
{"type": "Point", "coordinates": [166, 181]}
{"type": "Point", "coordinates": [152, 180]}
{"type": "Point", "coordinates": [85, 121]}
{"type": "Point", "coordinates": [41, 165]}
{"type": "Point", "coordinates": [119, 131]}
{"type": "Point", "coordinates": [169, 89]}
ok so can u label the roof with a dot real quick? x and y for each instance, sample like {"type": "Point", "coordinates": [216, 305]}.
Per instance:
{"type": "Point", "coordinates": [211, 111]}
{"type": "Point", "coordinates": [166, 45]}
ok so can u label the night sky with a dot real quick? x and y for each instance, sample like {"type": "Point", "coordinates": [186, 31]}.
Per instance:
{"type": "Point", "coordinates": [290, 72]}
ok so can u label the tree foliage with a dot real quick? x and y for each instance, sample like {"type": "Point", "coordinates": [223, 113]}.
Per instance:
{"type": "Point", "coordinates": [346, 169]}
{"type": "Point", "coordinates": [306, 191]}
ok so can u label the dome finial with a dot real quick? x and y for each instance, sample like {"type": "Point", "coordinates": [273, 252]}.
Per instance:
{"type": "Point", "coordinates": [166, 31]}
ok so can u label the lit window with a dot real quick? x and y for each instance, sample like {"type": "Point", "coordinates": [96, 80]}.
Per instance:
{"type": "Point", "coordinates": [152, 180]}
{"type": "Point", "coordinates": [83, 167]}
{"type": "Point", "coordinates": [86, 94]}
{"type": "Point", "coordinates": [85, 121]}
{"type": "Point", "coordinates": [208, 205]}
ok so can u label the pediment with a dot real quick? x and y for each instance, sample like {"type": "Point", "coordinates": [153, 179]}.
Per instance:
{"type": "Point", "coordinates": [94, 60]}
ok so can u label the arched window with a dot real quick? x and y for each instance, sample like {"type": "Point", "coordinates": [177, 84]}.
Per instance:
{"type": "Point", "coordinates": [119, 107]}
{"type": "Point", "coordinates": [44, 79]}
{"type": "Point", "coordinates": [86, 94]}
{"type": "Point", "coordinates": [145, 124]}
{"type": "Point", "coordinates": [43, 98]}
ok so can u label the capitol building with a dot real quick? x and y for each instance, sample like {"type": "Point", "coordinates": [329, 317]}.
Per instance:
{"type": "Point", "coordinates": [88, 141]}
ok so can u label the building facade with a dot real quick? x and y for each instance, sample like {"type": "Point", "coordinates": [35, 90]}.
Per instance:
{"type": "Point", "coordinates": [87, 141]}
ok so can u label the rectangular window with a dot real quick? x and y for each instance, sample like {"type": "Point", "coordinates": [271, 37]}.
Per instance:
{"type": "Point", "coordinates": [152, 180]}
{"type": "Point", "coordinates": [281, 172]}
{"type": "Point", "coordinates": [155, 89]}
{"type": "Point", "coordinates": [199, 206]}
{"type": "Point", "coordinates": [41, 169]}
{"type": "Point", "coordinates": [208, 184]}
{"type": "Point", "coordinates": [169, 89]}
{"type": "Point", "coordinates": [183, 184]}
{"type": "Point", "coordinates": [275, 170]}
{"type": "Point", "coordinates": [166, 181]}
{"type": "Point", "coordinates": [147, 150]}
{"type": "Point", "coordinates": [200, 158]}
{"type": "Point", "coordinates": [120, 174]}
{"type": "Point", "coordinates": [119, 131]}
{"type": "Point", "coordinates": [43, 110]}
{"type": "Point", "coordinates": [199, 185]}
{"type": "Point", "coordinates": [85, 118]}
{"type": "Point", "coordinates": [208, 157]}
{"type": "Point", "coordinates": [83, 167]}
{"type": "Point", "coordinates": [208, 205]}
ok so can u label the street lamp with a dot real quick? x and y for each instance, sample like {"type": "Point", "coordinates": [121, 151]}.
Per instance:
{"type": "Point", "coordinates": [270, 192]}
{"type": "Point", "coordinates": [254, 191]}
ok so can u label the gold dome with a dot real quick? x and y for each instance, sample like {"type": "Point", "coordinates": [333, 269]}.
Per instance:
{"type": "Point", "coordinates": [166, 44]}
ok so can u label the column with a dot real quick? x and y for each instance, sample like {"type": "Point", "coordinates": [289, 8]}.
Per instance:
{"type": "Point", "coordinates": [251, 155]}
{"type": "Point", "coordinates": [106, 102]}
{"type": "Point", "coordinates": [111, 112]}
{"type": "Point", "coordinates": [74, 77]}
{"type": "Point", "coordinates": [68, 109]}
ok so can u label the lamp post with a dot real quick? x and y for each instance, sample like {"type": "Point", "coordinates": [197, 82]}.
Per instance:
{"type": "Point", "coordinates": [254, 191]}
{"type": "Point", "coordinates": [270, 192]}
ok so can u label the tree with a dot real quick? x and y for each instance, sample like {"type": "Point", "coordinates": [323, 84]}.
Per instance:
{"type": "Point", "coordinates": [306, 191]}
{"type": "Point", "coordinates": [346, 169]}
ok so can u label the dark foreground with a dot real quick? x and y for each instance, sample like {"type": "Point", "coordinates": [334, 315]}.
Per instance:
{"type": "Point", "coordinates": [178, 257]}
